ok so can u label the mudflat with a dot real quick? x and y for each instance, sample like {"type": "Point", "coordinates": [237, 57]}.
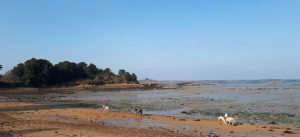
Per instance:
{"type": "Point", "coordinates": [32, 119]}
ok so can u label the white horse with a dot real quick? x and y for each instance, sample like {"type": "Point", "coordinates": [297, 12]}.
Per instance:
{"type": "Point", "coordinates": [230, 120]}
{"type": "Point", "coordinates": [105, 107]}
{"type": "Point", "coordinates": [223, 119]}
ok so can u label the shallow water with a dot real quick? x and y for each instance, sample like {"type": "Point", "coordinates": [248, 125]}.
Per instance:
{"type": "Point", "coordinates": [133, 122]}
{"type": "Point", "coordinates": [266, 99]}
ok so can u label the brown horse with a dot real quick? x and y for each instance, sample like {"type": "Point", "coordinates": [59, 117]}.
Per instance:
{"type": "Point", "coordinates": [138, 111]}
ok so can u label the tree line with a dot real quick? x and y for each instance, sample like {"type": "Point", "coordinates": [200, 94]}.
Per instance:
{"type": "Point", "coordinates": [41, 72]}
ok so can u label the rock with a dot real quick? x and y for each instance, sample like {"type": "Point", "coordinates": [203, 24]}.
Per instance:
{"type": "Point", "coordinates": [288, 132]}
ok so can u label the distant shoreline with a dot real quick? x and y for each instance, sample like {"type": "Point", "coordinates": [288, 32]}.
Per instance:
{"type": "Point", "coordinates": [203, 80]}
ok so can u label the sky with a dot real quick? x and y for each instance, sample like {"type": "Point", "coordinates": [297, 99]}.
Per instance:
{"type": "Point", "coordinates": [157, 39]}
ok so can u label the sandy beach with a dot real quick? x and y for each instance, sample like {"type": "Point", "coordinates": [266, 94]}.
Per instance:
{"type": "Point", "coordinates": [28, 119]}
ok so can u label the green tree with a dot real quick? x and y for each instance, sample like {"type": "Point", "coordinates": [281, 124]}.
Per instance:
{"type": "Point", "coordinates": [0, 69]}
{"type": "Point", "coordinates": [36, 72]}
{"type": "Point", "coordinates": [81, 67]}
{"type": "Point", "coordinates": [107, 71]}
{"type": "Point", "coordinates": [127, 76]}
{"type": "Point", "coordinates": [18, 71]}
{"type": "Point", "coordinates": [64, 71]}
{"type": "Point", "coordinates": [133, 77]}
{"type": "Point", "coordinates": [91, 70]}
{"type": "Point", "coordinates": [121, 78]}
{"type": "Point", "coordinates": [122, 72]}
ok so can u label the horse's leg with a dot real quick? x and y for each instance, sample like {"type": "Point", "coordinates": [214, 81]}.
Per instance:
{"type": "Point", "coordinates": [224, 121]}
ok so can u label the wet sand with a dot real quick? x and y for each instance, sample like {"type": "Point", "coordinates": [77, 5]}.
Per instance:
{"type": "Point", "coordinates": [31, 119]}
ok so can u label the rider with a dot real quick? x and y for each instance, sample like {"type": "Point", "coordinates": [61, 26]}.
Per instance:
{"type": "Point", "coordinates": [226, 115]}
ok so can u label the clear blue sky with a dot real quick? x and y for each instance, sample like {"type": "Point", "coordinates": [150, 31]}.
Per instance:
{"type": "Point", "coordinates": [163, 39]}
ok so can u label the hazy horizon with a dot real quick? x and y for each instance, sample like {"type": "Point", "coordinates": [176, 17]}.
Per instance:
{"type": "Point", "coordinates": [160, 40]}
